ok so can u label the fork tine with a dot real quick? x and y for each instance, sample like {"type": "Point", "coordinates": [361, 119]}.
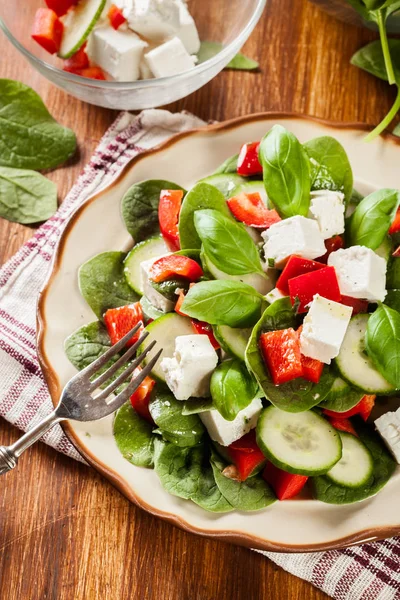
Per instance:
{"type": "Point", "coordinates": [125, 374]}
{"type": "Point", "coordinates": [121, 361]}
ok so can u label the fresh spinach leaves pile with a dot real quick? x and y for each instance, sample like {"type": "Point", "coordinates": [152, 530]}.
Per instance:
{"type": "Point", "coordinates": [30, 141]}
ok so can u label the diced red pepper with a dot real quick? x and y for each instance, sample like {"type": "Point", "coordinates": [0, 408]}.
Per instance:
{"type": "Point", "coordinates": [251, 210]}
{"type": "Point", "coordinates": [78, 61]}
{"type": "Point", "coordinates": [175, 265]}
{"type": "Point", "coordinates": [285, 485]}
{"type": "Point", "coordinates": [312, 368]}
{"type": "Point", "coordinates": [248, 162]}
{"type": "Point", "coordinates": [363, 408]}
{"type": "Point", "coordinates": [121, 320]}
{"type": "Point", "coordinates": [343, 425]}
{"type": "Point", "coordinates": [395, 226]}
{"type": "Point", "coordinates": [90, 73]}
{"type": "Point", "coordinates": [296, 266]}
{"type": "Point", "coordinates": [179, 303]}
{"type": "Point", "coordinates": [304, 287]}
{"type": "Point", "coordinates": [60, 7]}
{"type": "Point", "coordinates": [115, 16]}
{"type": "Point", "coordinates": [332, 244]}
{"type": "Point", "coordinates": [168, 217]}
{"type": "Point", "coordinates": [358, 306]}
{"type": "Point", "coordinates": [140, 398]}
{"type": "Point", "coordinates": [281, 353]}
{"type": "Point", "coordinates": [203, 328]}
{"type": "Point", "coordinates": [47, 30]}
{"type": "Point", "coordinates": [246, 455]}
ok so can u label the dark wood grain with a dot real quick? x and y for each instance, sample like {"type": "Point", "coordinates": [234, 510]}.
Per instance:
{"type": "Point", "coordinates": [65, 533]}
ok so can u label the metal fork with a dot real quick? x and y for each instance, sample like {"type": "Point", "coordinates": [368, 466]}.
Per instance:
{"type": "Point", "coordinates": [82, 400]}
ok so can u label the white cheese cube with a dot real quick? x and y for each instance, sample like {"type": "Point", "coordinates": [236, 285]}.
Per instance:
{"type": "Point", "coordinates": [169, 59]}
{"type": "Point", "coordinates": [327, 208]}
{"type": "Point", "coordinates": [156, 20]}
{"type": "Point", "coordinates": [296, 235]}
{"type": "Point", "coordinates": [388, 426]}
{"type": "Point", "coordinates": [117, 52]}
{"type": "Point", "coordinates": [361, 273]}
{"type": "Point", "coordinates": [274, 295]}
{"type": "Point", "coordinates": [189, 372]}
{"type": "Point", "coordinates": [226, 432]}
{"type": "Point", "coordinates": [144, 69]}
{"type": "Point", "coordinates": [324, 328]}
{"type": "Point", "coordinates": [187, 31]}
{"type": "Point", "coordinates": [157, 300]}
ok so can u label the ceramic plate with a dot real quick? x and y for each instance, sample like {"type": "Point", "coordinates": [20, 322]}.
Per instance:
{"type": "Point", "coordinates": [97, 226]}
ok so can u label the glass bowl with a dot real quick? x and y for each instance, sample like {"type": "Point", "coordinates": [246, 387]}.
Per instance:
{"type": "Point", "coordinates": [345, 12]}
{"type": "Point", "coordinates": [229, 22]}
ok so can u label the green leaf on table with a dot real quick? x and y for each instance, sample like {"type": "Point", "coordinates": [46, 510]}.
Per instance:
{"type": "Point", "coordinates": [239, 62]}
{"type": "Point", "coordinates": [370, 222]}
{"type": "Point", "coordinates": [382, 341]}
{"type": "Point", "coordinates": [330, 166]}
{"type": "Point", "coordinates": [29, 136]}
{"type": "Point", "coordinates": [133, 436]}
{"type": "Point", "coordinates": [26, 196]}
{"type": "Point", "coordinates": [370, 58]}
{"type": "Point", "coordinates": [166, 411]}
{"type": "Point", "coordinates": [232, 388]}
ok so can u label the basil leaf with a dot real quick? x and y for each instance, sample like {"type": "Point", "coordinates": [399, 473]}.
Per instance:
{"type": "Point", "coordinates": [179, 429]}
{"type": "Point", "coordinates": [382, 341]}
{"type": "Point", "coordinates": [140, 207]}
{"type": "Point", "coordinates": [29, 136]}
{"type": "Point", "coordinates": [286, 172]}
{"type": "Point", "coordinates": [25, 196]}
{"type": "Point", "coordinates": [134, 437]}
{"type": "Point", "coordinates": [202, 195]}
{"type": "Point", "coordinates": [87, 344]}
{"type": "Point", "coordinates": [102, 283]}
{"type": "Point", "coordinates": [223, 302]}
{"type": "Point", "coordinates": [232, 388]}
{"type": "Point", "coordinates": [370, 58]}
{"type": "Point", "coordinates": [330, 166]}
{"type": "Point", "coordinates": [370, 222]}
{"type": "Point", "coordinates": [299, 394]}
{"type": "Point", "coordinates": [239, 62]}
{"type": "Point", "coordinates": [194, 406]}
{"type": "Point", "coordinates": [227, 243]}
{"type": "Point", "coordinates": [228, 166]}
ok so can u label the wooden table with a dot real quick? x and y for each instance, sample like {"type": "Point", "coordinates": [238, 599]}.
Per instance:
{"type": "Point", "coordinates": [65, 533]}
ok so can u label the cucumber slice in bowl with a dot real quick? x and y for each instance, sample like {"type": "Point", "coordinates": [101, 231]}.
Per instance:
{"type": "Point", "coordinates": [78, 23]}
{"type": "Point", "coordinates": [224, 182]}
{"type": "Point", "coordinates": [232, 340]}
{"type": "Point", "coordinates": [355, 467]}
{"type": "Point", "coordinates": [301, 443]}
{"type": "Point", "coordinates": [151, 248]}
{"type": "Point", "coordinates": [252, 187]}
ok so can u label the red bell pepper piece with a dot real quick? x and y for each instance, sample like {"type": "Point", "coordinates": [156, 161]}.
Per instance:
{"type": "Point", "coordinates": [363, 408]}
{"type": "Point", "coordinates": [343, 425]}
{"type": "Point", "coordinates": [78, 61]}
{"type": "Point", "coordinates": [121, 320]}
{"type": "Point", "coordinates": [248, 162]}
{"type": "Point", "coordinates": [246, 455]}
{"type": "Point", "coordinates": [358, 306]}
{"type": "Point", "coordinates": [47, 30]}
{"type": "Point", "coordinates": [115, 16]}
{"type": "Point", "coordinates": [175, 265]}
{"type": "Point", "coordinates": [285, 485]}
{"type": "Point", "coordinates": [312, 368]}
{"type": "Point", "coordinates": [304, 287]}
{"type": "Point", "coordinates": [140, 398]}
{"type": "Point", "coordinates": [295, 266]}
{"type": "Point", "coordinates": [60, 7]}
{"type": "Point", "coordinates": [251, 210]}
{"type": "Point", "coordinates": [90, 73]}
{"type": "Point", "coordinates": [168, 217]}
{"type": "Point", "coordinates": [281, 353]}
{"type": "Point", "coordinates": [395, 226]}
{"type": "Point", "coordinates": [332, 244]}
{"type": "Point", "coordinates": [203, 328]}
{"type": "Point", "coordinates": [179, 303]}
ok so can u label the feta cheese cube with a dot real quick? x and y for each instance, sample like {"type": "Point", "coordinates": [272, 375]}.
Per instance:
{"type": "Point", "coordinates": [187, 31]}
{"type": "Point", "coordinates": [157, 300]}
{"type": "Point", "coordinates": [324, 328]}
{"type": "Point", "coordinates": [327, 208]}
{"type": "Point", "coordinates": [169, 58]}
{"type": "Point", "coordinates": [296, 235]}
{"type": "Point", "coordinates": [388, 426]}
{"type": "Point", "coordinates": [156, 20]}
{"type": "Point", "coordinates": [274, 295]}
{"type": "Point", "coordinates": [144, 69]}
{"type": "Point", "coordinates": [226, 432]}
{"type": "Point", "coordinates": [361, 273]}
{"type": "Point", "coordinates": [117, 52]}
{"type": "Point", "coordinates": [189, 371]}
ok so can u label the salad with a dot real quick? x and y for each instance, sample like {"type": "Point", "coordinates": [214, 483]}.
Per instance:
{"type": "Point", "coordinates": [273, 288]}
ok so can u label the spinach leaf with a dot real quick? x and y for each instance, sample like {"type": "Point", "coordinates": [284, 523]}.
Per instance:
{"type": "Point", "coordinates": [393, 299]}
{"type": "Point", "coordinates": [382, 342]}
{"type": "Point", "coordinates": [239, 62]}
{"type": "Point", "coordinates": [232, 388]}
{"type": "Point", "coordinates": [134, 437]}
{"type": "Point", "coordinates": [228, 166]}
{"type": "Point", "coordinates": [140, 207]}
{"type": "Point", "coordinates": [102, 283]}
{"type": "Point", "coordinates": [227, 243]}
{"type": "Point", "coordinates": [29, 136]}
{"type": "Point", "coordinates": [179, 429]}
{"type": "Point", "coordinates": [223, 302]}
{"type": "Point", "coordinates": [393, 274]}
{"type": "Point", "coordinates": [326, 490]}
{"type": "Point", "coordinates": [286, 172]}
{"type": "Point", "coordinates": [187, 473]}
{"type": "Point", "coordinates": [194, 406]}
{"type": "Point", "coordinates": [86, 344]}
{"type": "Point", "coordinates": [330, 166]}
{"type": "Point", "coordinates": [25, 196]}
{"type": "Point", "coordinates": [342, 399]}
{"type": "Point", "coordinates": [202, 195]}
{"type": "Point", "coordinates": [299, 394]}
{"type": "Point", "coordinates": [370, 222]}
{"type": "Point", "coordinates": [168, 287]}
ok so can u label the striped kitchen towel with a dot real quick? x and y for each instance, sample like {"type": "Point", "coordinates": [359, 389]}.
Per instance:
{"type": "Point", "coordinates": [368, 572]}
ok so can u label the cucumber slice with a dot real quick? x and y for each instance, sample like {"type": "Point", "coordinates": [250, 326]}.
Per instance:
{"type": "Point", "coordinates": [385, 249]}
{"type": "Point", "coordinates": [251, 187]}
{"type": "Point", "coordinates": [164, 330]}
{"type": "Point", "coordinates": [224, 182]}
{"type": "Point", "coordinates": [303, 443]}
{"type": "Point", "coordinates": [150, 311]}
{"type": "Point", "coordinates": [342, 396]}
{"type": "Point", "coordinates": [78, 23]}
{"type": "Point", "coordinates": [355, 467]}
{"type": "Point", "coordinates": [354, 365]}
{"type": "Point", "coordinates": [261, 284]}
{"type": "Point", "coordinates": [233, 341]}
{"type": "Point", "coordinates": [151, 248]}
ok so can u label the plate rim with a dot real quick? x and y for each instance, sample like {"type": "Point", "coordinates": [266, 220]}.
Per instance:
{"type": "Point", "coordinates": [51, 379]}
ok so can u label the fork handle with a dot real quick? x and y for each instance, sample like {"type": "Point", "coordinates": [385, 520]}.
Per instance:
{"type": "Point", "coordinates": [9, 455]}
